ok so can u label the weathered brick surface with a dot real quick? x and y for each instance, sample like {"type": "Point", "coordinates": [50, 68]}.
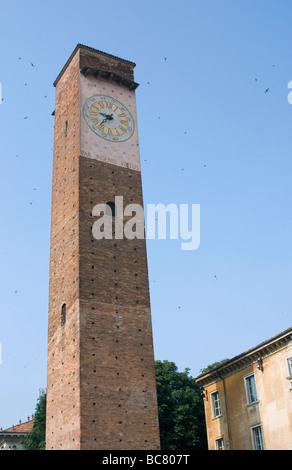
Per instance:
{"type": "Point", "coordinates": [101, 390]}
{"type": "Point", "coordinates": [105, 62]}
{"type": "Point", "coordinates": [63, 384]}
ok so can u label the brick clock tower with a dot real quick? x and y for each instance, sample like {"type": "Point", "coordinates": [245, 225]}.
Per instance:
{"type": "Point", "coordinates": [101, 388]}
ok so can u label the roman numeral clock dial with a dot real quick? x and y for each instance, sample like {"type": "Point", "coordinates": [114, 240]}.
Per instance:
{"type": "Point", "coordinates": [108, 118]}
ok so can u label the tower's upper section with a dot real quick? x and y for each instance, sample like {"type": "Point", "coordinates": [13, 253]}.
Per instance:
{"type": "Point", "coordinates": [98, 63]}
{"type": "Point", "coordinates": [95, 112]}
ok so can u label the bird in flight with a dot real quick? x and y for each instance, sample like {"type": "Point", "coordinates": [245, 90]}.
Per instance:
{"type": "Point", "coordinates": [266, 90]}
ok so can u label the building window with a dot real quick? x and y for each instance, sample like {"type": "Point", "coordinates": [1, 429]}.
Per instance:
{"type": "Point", "coordinates": [63, 315]}
{"type": "Point", "coordinates": [289, 367]}
{"type": "Point", "coordinates": [216, 406]}
{"type": "Point", "coordinates": [250, 387]}
{"type": "Point", "coordinates": [219, 444]}
{"type": "Point", "coordinates": [257, 438]}
{"type": "Point", "coordinates": [110, 209]}
{"type": "Point", "coordinates": [289, 364]}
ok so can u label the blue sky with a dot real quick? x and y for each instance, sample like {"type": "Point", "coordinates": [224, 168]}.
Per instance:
{"type": "Point", "coordinates": [209, 135]}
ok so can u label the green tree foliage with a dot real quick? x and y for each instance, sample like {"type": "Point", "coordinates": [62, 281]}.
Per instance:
{"type": "Point", "coordinates": [36, 439]}
{"type": "Point", "coordinates": [213, 365]}
{"type": "Point", "coordinates": [181, 409]}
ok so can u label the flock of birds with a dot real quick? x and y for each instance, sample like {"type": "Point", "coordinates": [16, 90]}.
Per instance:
{"type": "Point", "coordinates": [24, 118]}
{"type": "Point", "coordinates": [182, 169]}
{"type": "Point", "coordinates": [256, 79]}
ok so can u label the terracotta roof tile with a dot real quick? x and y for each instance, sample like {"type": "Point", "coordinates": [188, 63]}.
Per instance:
{"type": "Point", "coordinates": [21, 427]}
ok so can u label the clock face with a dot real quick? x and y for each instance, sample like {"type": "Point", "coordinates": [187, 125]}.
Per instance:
{"type": "Point", "coordinates": [108, 118]}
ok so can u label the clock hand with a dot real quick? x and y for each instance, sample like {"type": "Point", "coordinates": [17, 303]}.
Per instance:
{"type": "Point", "coordinates": [107, 117]}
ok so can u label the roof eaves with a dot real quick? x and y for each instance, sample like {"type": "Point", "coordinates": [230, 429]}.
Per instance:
{"type": "Point", "coordinates": [215, 370]}
{"type": "Point", "coordinates": [91, 49]}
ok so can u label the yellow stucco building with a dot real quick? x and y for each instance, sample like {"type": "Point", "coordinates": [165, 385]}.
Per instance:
{"type": "Point", "coordinates": [248, 399]}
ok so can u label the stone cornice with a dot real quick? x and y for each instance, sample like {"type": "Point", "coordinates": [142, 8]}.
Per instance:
{"type": "Point", "coordinates": [246, 359]}
{"type": "Point", "coordinates": [92, 51]}
{"type": "Point", "coordinates": [110, 76]}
